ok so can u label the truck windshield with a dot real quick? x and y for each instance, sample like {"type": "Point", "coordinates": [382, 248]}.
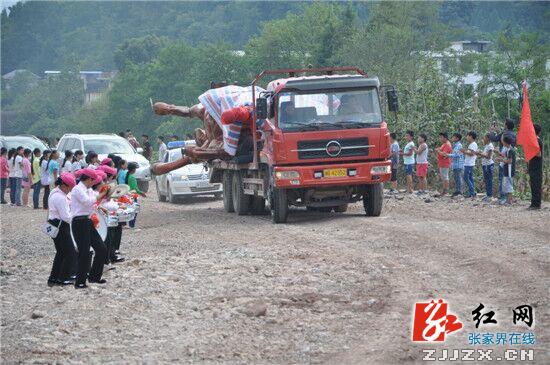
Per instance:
{"type": "Point", "coordinates": [328, 110]}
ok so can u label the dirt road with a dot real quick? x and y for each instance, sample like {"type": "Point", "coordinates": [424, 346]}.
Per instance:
{"type": "Point", "coordinates": [201, 285]}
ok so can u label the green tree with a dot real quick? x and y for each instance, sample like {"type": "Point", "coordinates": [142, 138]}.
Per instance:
{"type": "Point", "coordinates": [138, 50]}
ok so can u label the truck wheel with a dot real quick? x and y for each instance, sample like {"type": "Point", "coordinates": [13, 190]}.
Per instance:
{"type": "Point", "coordinates": [227, 183]}
{"type": "Point", "coordinates": [241, 201]}
{"type": "Point", "coordinates": [143, 185]}
{"type": "Point", "coordinates": [341, 208]}
{"type": "Point", "coordinates": [279, 208]}
{"type": "Point", "coordinates": [161, 197]}
{"type": "Point", "coordinates": [257, 205]}
{"type": "Point", "coordinates": [372, 200]}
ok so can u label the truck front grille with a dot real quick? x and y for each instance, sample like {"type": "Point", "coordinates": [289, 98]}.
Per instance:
{"type": "Point", "coordinates": [318, 149]}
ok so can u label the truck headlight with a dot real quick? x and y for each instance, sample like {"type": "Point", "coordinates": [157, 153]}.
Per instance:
{"type": "Point", "coordinates": [286, 175]}
{"type": "Point", "coordinates": [380, 170]}
{"type": "Point", "coordinates": [183, 177]}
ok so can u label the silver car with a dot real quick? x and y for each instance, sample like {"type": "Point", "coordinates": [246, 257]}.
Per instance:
{"type": "Point", "coordinates": [186, 181]}
{"type": "Point", "coordinates": [104, 144]}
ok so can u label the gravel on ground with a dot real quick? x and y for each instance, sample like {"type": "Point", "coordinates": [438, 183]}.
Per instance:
{"type": "Point", "coordinates": [202, 285]}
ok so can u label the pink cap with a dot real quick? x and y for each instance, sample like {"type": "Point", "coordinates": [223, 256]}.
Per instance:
{"type": "Point", "coordinates": [106, 161]}
{"type": "Point", "coordinates": [68, 179]}
{"type": "Point", "coordinates": [87, 172]}
{"type": "Point", "coordinates": [107, 169]}
{"type": "Point", "coordinates": [100, 175]}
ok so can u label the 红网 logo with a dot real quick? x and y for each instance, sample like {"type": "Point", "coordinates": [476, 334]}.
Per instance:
{"type": "Point", "coordinates": [432, 322]}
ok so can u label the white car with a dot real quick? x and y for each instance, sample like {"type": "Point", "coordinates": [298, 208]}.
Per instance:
{"type": "Point", "coordinates": [104, 144]}
{"type": "Point", "coordinates": [185, 181]}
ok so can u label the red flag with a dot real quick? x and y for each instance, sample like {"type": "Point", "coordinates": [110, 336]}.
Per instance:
{"type": "Point", "coordinates": [526, 133]}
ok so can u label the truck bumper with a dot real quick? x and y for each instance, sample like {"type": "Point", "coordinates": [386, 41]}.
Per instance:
{"type": "Point", "coordinates": [326, 175]}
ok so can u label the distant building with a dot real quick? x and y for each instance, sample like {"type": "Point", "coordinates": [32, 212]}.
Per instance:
{"type": "Point", "coordinates": [456, 63]}
{"type": "Point", "coordinates": [10, 75]}
{"type": "Point", "coordinates": [96, 83]}
{"type": "Point", "coordinates": [456, 60]}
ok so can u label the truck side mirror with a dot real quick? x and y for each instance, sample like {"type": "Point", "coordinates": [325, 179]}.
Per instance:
{"type": "Point", "coordinates": [261, 108]}
{"type": "Point", "coordinates": [393, 104]}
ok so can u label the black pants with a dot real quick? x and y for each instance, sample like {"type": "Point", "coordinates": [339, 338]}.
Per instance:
{"type": "Point", "coordinates": [3, 187]}
{"type": "Point", "coordinates": [535, 180]}
{"type": "Point", "coordinates": [46, 196]}
{"type": "Point", "coordinates": [109, 244]}
{"type": "Point", "coordinates": [117, 237]}
{"type": "Point", "coordinates": [85, 236]}
{"type": "Point", "coordinates": [65, 253]}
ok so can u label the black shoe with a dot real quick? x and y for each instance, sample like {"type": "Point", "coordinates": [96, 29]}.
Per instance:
{"type": "Point", "coordinates": [100, 281]}
{"type": "Point", "coordinates": [3, 202]}
{"type": "Point", "coordinates": [53, 282]}
{"type": "Point", "coordinates": [533, 208]}
{"type": "Point", "coordinates": [118, 259]}
{"type": "Point", "coordinates": [66, 282]}
{"type": "Point", "coordinates": [80, 286]}
{"type": "Point", "coordinates": [72, 277]}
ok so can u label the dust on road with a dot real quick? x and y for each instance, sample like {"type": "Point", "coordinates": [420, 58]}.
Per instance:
{"type": "Point", "coordinates": [202, 285]}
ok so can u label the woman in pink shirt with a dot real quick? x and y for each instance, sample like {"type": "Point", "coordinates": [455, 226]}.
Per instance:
{"type": "Point", "coordinates": [27, 176]}
{"type": "Point", "coordinates": [4, 174]}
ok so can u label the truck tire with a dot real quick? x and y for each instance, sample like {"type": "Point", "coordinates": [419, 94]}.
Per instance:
{"type": "Point", "coordinates": [143, 185]}
{"type": "Point", "coordinates": [279, 206]}
{"type": "Point", "coordinates": [161, 197]}
{"type": "Point", "coordinates": [227, 182]}
{"type": "Point", "coordinates": [241, 201]}
{"type": "Point", "coordinates": [257, 205]}
{"type": "Point", "coordinates": [373, 199]}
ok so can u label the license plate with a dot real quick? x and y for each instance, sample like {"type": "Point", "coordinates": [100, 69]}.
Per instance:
{"type": "Point", "coordinates": [335, 173]}
{"type": "Point", "coordinates": [203, 184]}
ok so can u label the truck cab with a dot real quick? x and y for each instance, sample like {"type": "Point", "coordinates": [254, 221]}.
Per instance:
{"type": "Point", "coordinates": [323, 144]}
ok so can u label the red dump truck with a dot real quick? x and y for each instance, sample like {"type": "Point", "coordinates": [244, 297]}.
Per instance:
{"type": "Point", "coordinates": [323, 144]}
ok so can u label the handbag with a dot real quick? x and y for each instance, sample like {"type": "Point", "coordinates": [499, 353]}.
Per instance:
{"type": "Point", "coordinates": [50, 229]}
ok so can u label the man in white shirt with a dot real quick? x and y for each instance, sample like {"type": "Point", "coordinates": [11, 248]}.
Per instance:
{"type": "Point", "coordinates": [82, 204]}
{"type": "Point", "coordinates": [162, 148]}
{"type": "Point", "coordinates": [470, 156]}
{"type": "Point", "coordinates": [487, 165]}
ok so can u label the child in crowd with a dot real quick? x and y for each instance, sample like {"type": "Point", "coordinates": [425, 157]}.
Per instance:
{"type": "Point", "coordinates": [444, 162]}
{"type": "Point", "coordinates": [487, 165]}
{"type": "Point", "coordinates": [422, 163]}
{"type": "Point", "coordinates": [131, 181]}
{"type": "Point", "coordinates": [508, 158]}
{"type": "Point", "coordinates": [27, 176]}
{"type": "Point", "coordinates": [394, 149]}
{"type": "Point", "coordinates": [78, 161]}
{"type": "Point", "coordinates": [15, 164]}
{"type": "Point", "coordinates": [122, 170]}
{"type": "Point", "coordinates": [53, 168]}
{"type": "Point", "coordinates": [408, 159]}
{"type": "Point", "coordinates": [45, 177]}
{"type": "Point", "coordinates": [92, 160]}
{"type": "Point", "coordinates": [470, 155]}
{"type": "Point", "coordinates": [4, 174]}
{"type": "Point", "coordinates": [457, 163]}
{"type": "Point", "coordinates": [35, 171]}
{"type": "Point", "coordinates": [67, 163]}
